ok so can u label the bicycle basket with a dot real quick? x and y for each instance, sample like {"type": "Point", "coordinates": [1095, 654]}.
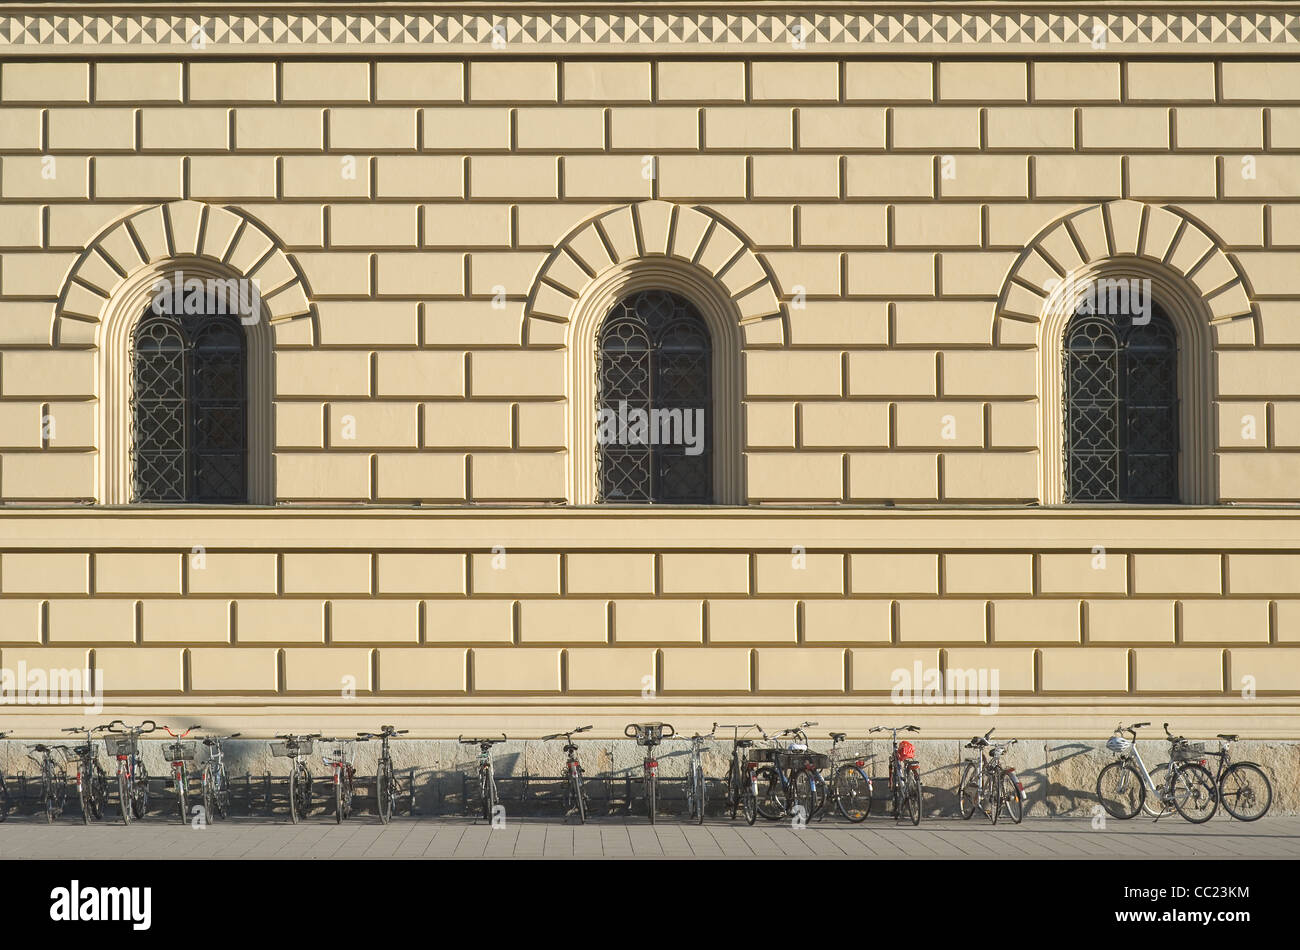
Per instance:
{"type": "Point", "coordinates": [180, 751]}
{"type": "Point", "coordinates": [798, 760]}
{"type": "Point", "coordinates": [1119, 744]}
{"type": "Point", "coordinates": [763, 756]}
{"type": "Point", "coordinates": [288, 748]}
{"type": "Point", "coordinates": [1188, 752]}
{"type": "Point", "coordinates": [906, 750]}
{"type": "Point", "coordinates": [120, 744]}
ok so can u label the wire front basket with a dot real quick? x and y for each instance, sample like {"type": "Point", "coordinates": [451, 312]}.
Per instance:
{"type": "Point", "coordinates": [181, 751]}
{"type": "Point", "coordinates": [120, 744]}
{"type": "Point", "coordinates": [1188, 751]}
{"type": "Point", "coordinates": [289, 748]}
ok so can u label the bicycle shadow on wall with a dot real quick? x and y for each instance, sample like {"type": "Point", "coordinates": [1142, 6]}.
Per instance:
{"type": "Point", "coordinates": [1069, 776]}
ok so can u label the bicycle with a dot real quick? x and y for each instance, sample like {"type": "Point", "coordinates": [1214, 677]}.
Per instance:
{"type": "Point", "coordinates": [297, 748]}
{"type": "Point", "coordinates": [649, 735]}
{"type": "Point", "coordinates": [216, 784]}
{"type": "Point", "coordinates": [386, 791]}
{"type": "Point", "coordinates": [905, 790]}
{"type": "Point", "coordinates": [575, 797]}
{"type": "Point", "coordinates": [123, 743]}
{"type": "Point", "coordinates": [1188, 786]}
{"type": "Point", "coordinates": [985, 781]}
{"type": "Point", "coordinates": [92, 780]}
{"type": "Point", "coordinates": [1244, 790]}
{"type": "Point", "coordinates": [697, 786]}
{"type": "Point", "coordinates": [487, 779]}
{"type": "Point", "coordinates": [776, 775]}
{"type": "Point", "coordinates": [4, 790]}
{"type": "Point", "coordinates": [849, 787]}
{"type": "Point", "coordinates": [178, 753]}
{"type": "Point", "coordinates": [54, 786]}
{"type": "Point", "coordinates": [742, 774]}
{"type": "Point", "coordinates": [339, 759]}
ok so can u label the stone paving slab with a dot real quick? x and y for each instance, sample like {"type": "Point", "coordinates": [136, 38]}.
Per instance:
{"type": "Point", "coordinates": [406, 838]}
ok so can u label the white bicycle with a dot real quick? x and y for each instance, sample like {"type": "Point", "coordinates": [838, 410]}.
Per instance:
{"type": "Point", "coordinates": [1186, 785]}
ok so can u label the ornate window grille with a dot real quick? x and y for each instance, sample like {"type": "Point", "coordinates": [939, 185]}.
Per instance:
{"type": "Point", "coordinates": [189, 407]}
{"type": "Point", "coordinates": [1121, 398]}
{"type": "Point", "coordinates": [654, 356]}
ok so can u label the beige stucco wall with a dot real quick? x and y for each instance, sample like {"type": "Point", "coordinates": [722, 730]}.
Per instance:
{"type": "Point", "coordinates": [882, 227]}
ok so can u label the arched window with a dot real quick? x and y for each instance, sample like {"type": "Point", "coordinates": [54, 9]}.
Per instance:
{"type": "Point", "coordinates": [188, 403]}
{"type": "Point", "coordinates": [1122, 414]}
{"type": "Point", "coordinates": [654, 402]}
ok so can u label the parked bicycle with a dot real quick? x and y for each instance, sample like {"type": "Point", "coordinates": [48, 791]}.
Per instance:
{"type": "Point", "coordinates": [297, 747]}
{"type": "Point", "coordinates": [216, 784]}
{"type": "Point", "coordinates": [182, 755]}
{"type": "Point", "coordinates": [339, 758]}
{"type": "Point", "coordinates": [52, 761]}
{"type": "Point", "coordinates": [742, 773]}
{"type": "Point", "coordinates": [123, 743]}
{"type": "Point", "coordinates": [92, 780]}
{"type": "Point", "coordinates": [1244, 790]}
{"type": "Point", "coordinates": [487, 779]}
{"type": "Point", "coordinates": [1186, 785]}
{"type": "Point", "coordinates": [849, 786]}
{"type": "Point", "coordinates": [905, 790]}
{"type": "Point", "coordinates": [4, 790]}
{"type": "Point", "coordinates": [575, 796]}
{"type": "Point", "coordinates": [776, 773]}
{"type": "Point", "coordinates": [697, 784]}
{"type": "Point", "coordinates": [649, 735]}
{"type": "Point", "coordinates": [987, 784]}
{"type": "Point", "coordinates": [386, 791]}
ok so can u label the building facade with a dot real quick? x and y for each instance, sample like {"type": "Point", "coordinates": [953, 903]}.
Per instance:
{"type": "Point", "coordinates": [494, 367]}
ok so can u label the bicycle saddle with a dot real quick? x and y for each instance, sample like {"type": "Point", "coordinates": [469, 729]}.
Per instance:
{"type": "Point", "coordinates": [1228, 738]}
{"type": "Point", "coordinates": [744, 743]}
{"type": "Point", "coordinates": [839, 736]}
{"type": "Point", "coordinates": [39, 747]}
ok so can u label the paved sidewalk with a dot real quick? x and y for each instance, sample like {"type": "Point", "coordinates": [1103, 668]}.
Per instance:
{"type": "Point", "coordinates": [365, 837]}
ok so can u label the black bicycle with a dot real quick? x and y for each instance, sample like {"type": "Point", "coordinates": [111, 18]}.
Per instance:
{"type": "Point", "coordinates": [649, 735]}
{"type": "Point", "coordinates": [52, 762]}
{"type": "Point", "coordinates": [904, 774]}
{"type": "Point", "coordinates": [216, 784]}
{"type": "Point", "coordinates": [575, 796]}
{"type": "Point", "coordinates": [297, 748]}
{"type": "Point", "coordinates": [697, 783]}
{"type": "Point", "coordinates": [778, 770]}
{"type": "Point", "coordinates": [92, 780]}
{"type": "Point", "coordinates": [123, 743]}
{"type": "Point", "coordinates": [1244, 790]}
{"type": "Point", "coordinates": [742, 773]}
{"type": "Point", "coordinates": [386, 791]}
{"type": "Point", "coordinates": [487, 779]}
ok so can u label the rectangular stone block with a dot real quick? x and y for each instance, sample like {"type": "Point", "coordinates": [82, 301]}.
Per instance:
{"type": "Point", "coordinates": [374, 621]}
{"type": "Point", "coordinates": [422, 670]}
{"type": "Point", "coordinates": [419, 82]}
{"type": "Point", "coordinates": [1254, 574]}
{"type": "Point", "coordinates": [20, 621]}
{"type": "Point", "coordinates": [563, 621]}
{"type": "Point", "coordinates": [92, 621]}
{"type": "Point", "coordinates": [700, 81]}
{"type": "Point", "coordinates": [802, 670]}
{"type": "Point", "coordinates": [847, 621]}
{"type": "Point", "coordinates": [705, 573]}
{"type": "Point", "coordinates": [419, 573]}
{"type": "Point", "coordinates": [607, 573]}
{"type": "Point", "coordinates": [472, 621]}
{"type": "Point", "coordinates": [988, 573]}
{"type": "Point", "coordinates": [512, 81]}
{"type": "Point", "coordinates": [788, 476]}
{"type": "Point", "coordinates": [234, 670]}
{"type": "Point", "coordinates": [138, 82]}
{"type": "Point", "coordinates": [1224, 621]}
{"type": "Point", "coordinates": [190, 620]}
{"type": "Point", "coordinates": [48, 81]}
{"type": "Point", "coordinates": [137, 573]}
{"type": "Point", "coordinates": [894, 476]}
{"type": "Point", "coordinates": [1180, 670]}
{"type": "Point", "coordinates": [518, 476]}
{"type": "Point", "coordinates": [1084, 573]}
{"type": "Point", "coordinates": [1130, 621]}
{"type": "Point", "coordinates": [606, 670]}
{"type": "Point", "coordinates": [936, 621]}
{"type": "Point", "coordinates": [751, 621]}
{"type": "Point", "coordinates": [327, 670]}
{"type": "Point", "coordinates": [232, 573]}
{"type": "Point", "coordinates": [976, 476]}
{"type": "Point", "coordinates": [889, 176]}
{"type": "Point", "coordinates": [52, 573]}
{"type": "Point", "coordinates": [800, 573]}
{"type": "Point", "coordinates": [844, 424]}
{"type": "Point", "coordinates": [280, 621]}
{"type": "Point", "coordinates": [1084, 670]}
{"type": "Point", "coordinates": [420, 476]}
{"type": "Point", "coordinates": [1035, 621]}
{"type": "Point", "coordinates": [658, 621]}
{"type": "Point", "coordinates": [881, 670]}
{"type": "Point", "coordinates": [140, 670]}
{"type": "Point", "coordinates": [606, 81]}
{"type": "Point", "coordinates": [710, 670]}
{"type": "Point", "coordinates": [1271, 669]}
{"type": "Point", "coordinates": [1075, 80]}
{"type": "Point", "coordinates": [977, 676]}
{"type": "Point", "coordinates": [515, 670]}
{"type": "Point", "coordinates": [515, 573]}
{"type": "Point", "coordinates": [326, 81]}
{"type": "Point", "coordinates": [894, 573]}
{"type": "Point", "coordinates": [1177, 574]}
{"type": "Point", "coordinates": [332, 573]}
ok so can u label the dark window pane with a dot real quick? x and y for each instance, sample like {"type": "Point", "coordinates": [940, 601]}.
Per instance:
{"type": "Point", "coordinates": [188, 407]}
{"type": "Point", "coordinates": [1121, 399]}
{"type": "Point", "coordinates": [654, 402]}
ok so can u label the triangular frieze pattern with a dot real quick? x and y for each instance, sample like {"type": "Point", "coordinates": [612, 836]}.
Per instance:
{"type": "Point", "coordinates": [756, 29]}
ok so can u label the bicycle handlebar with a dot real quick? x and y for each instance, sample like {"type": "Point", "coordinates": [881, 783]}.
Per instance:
{"type": "Point", "coordinates": [183, 734]}
{"type": "Point", "coordinates": [463, 741]}
{"type": "Point", "coordinates": [896, 729]}
{"type": "Point", "coordinates": [634, 729]}
{"type": "Point", "coordinates": [136, 730]}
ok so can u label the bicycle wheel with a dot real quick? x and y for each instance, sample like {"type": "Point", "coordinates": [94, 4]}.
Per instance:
{"type": "Point", "coordinates": [735, 788]}
{"type": "Point", "coordinates": [140, 791]}
{"type": "Point", "coordinates": [209, 795]}
{"type": "Point", "coordinates": [852, 793]}
{"type": "Point", "coordinates": [1012, 798]}
{"type": "Point", "coordinates": [47, 794]}
{"type": "Point", "coordinates": [749, 799]}
{"type": "Point", "coordinates": [294, 816]}
{"type": "Point", "coordinates": [340, 795]}
{"type": "Point", "coordinates": [1195, 795]}
{"type": "Point", "coordinates": [384, 790]}
{"type": "Point", "coordinates": [221, 798]}
{"type": "Point", "coordinates": [1153, 806]}
{"type": "Point", "coordinates": [1244, 791]}
{"type": "Point", "coordinates": [182, 798]}
{"type": "Point", "coordinates": [651, 791]}
{"type": "Point", "coordinates": [95, 794]}
{"type": "Point", "coordinates": [701, 794]}
{"type": "Point", "coordinates": [579, 798]}
{"type": "Point", "coordinates": [124, 796]}
{"type": "Point", "coordinates": [85, 792]}
{"type": "Point", "coordinates": [1120, 789]}
{"type": "Point", "coordinates": [770, 794]}
{"type": "Point", "coordinates": [968, 791]}
{"type": "Point", "coordinates": [912, 797]}
{"type": "Point", "coordinates": [803, 794]}
{"type": "Point", "coordinates": [4, 799]}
